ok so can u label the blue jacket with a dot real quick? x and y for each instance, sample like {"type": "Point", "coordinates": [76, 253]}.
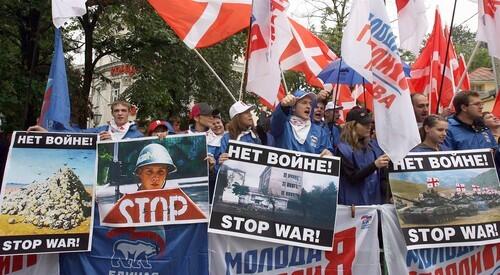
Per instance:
{"type": "Point", "coordinates": [462, 136]}
{"type": "Point", "coordinates": [317, 139]}
{"type": "Point", "coordinates": [245, 138]}
{"type": "Point", "coordinates": [333, 132]}
{"type": "Point", "coordinates": [361, 182]}
{"type": "Point", "coordinates": [424, 148]}
{"type": "Point", "coordinates": [133, 131]}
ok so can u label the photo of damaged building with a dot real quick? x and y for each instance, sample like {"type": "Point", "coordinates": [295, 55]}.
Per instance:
{"type": "Point", "coordinates": [276, 188]}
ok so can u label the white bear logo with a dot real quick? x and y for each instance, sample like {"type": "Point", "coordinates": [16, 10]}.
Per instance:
{"type": "Point", "coordinates": [133, 254]}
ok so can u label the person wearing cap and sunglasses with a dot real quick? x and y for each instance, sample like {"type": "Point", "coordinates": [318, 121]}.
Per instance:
{"type": "Point", "coordinates": [291, 125]}
{"type": "Point", "coordinates": [362, 166]}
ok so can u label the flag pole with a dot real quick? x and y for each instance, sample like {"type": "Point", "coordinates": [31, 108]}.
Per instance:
{"type": "Point", "coordinates": [245, 64]}
{"type": "Point", "coordinates": [284, 81]}
{"type": "Point", "coordinates": [462, 78]}
{"type": "Point", "coordinates": [446, 56]}
{"type": "Point", "coordinates": [337, 87]}
{"type": "Point", "coordinates": [215, 74]}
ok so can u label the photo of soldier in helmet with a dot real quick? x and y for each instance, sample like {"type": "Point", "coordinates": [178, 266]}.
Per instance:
{"type": "Point", "coordinates": [153, 166]}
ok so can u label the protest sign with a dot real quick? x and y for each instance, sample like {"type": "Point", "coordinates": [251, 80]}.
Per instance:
{"type": "Point", "coordinates": [149, 250]}
{"type": "Point", "coordinates": [148, 181]}
{"type": "Point", "coordinates": [447, 198]}
{"type": "Point", "coordinates": [355, 251]}
{"type": "Point", "coordinates": [481, 260]}
{"type": "Point", "coordinates": [276, 195]}
{"type": "Point", "coordinates": [47, 193]}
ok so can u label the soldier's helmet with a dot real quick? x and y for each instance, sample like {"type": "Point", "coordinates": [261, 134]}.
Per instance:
{"type": "Point", "coordinates": [155, 154]}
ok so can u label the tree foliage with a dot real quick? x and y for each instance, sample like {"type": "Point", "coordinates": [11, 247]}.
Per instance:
{"type": "Point", "coordinates": [27, 45]}
{"type": "Point", "coordinates": [465, 41]}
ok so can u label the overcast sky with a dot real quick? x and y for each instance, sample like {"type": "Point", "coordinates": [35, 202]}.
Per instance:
{"type": "Point", "coordinates": [299, 9]}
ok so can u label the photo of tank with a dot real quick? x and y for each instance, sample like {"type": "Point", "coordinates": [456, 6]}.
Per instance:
{"type": "Point", "coordinates": [446, 197]}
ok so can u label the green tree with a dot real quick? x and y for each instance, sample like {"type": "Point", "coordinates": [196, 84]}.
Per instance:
{"type": "Point", "coordinates": [27, 39]}
{"type": "Point", "coordinates": [240, 190]}
{"type": "Point", "coordinates": [465, 41]}
{"type": "Point", "coordinates": [170, 75]}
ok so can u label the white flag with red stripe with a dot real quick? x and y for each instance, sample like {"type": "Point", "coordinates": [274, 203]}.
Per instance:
{"type": "Point", "coordinates": [369, 47]}
{"type": "Point", "coordinates": [488, 28]}
{"type": "Point", "coordinates": [308, 54]}
{"type": "Point", "coordinates": [412, 23]}
{"type": "Point", "coordinates": [202, 23]}
{"type": "Point", "coordinates": [270, 35]}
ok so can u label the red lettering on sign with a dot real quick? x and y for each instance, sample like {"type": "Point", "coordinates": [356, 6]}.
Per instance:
{"type": "Point", "coordinates": [16, 262]}
{"type": "Point", "coordinates": [343, 253]}
{"type": "Point", "coordinates": [475, 262]}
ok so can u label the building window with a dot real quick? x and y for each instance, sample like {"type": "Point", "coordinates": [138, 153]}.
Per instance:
{"type": "Point", "coordinates": [284, 175]}
{"type": "Point", "coordinates": [115, 91]}
{"type": "Point", "coordinates": [283, 184]}
{"type": "Point", "coordinates": [282, 193]}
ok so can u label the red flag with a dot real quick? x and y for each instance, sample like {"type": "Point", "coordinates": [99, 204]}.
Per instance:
{"type": "Point", "coordinates": [457, 65]}
{"type": "Point", "coordinates": [202, 23]}
{"type": "Point", "coordinates": [308, 54]}
{"type": "Point", "coordinates": [426, 73]}
{"type": "Point", "coordinates": [496, 107]}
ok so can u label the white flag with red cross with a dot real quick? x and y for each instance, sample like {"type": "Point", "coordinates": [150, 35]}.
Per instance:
{"type": "Point", "coordinates": [432, 182]}
{"type": "Point", "coordinates": [460, 187]}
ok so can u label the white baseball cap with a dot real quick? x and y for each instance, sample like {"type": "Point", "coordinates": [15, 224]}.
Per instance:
{"type": "Point", "coordinates": [238, 108]}
{"type": "Point", "coordinates": [331, 106]}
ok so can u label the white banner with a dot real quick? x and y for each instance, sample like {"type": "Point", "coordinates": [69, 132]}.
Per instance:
{"type": "Point", "coordinates": [29, 264]}
{"type": "Point", "coordinates": [355, 251]}
{"type": "Point", "coordinates": [433, 261]}
{"type": "Point", "coordinates": [369, 47]}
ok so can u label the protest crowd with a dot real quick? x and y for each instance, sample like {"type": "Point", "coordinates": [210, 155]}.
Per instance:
{"type": "Point", "coordinates": [365, 188]}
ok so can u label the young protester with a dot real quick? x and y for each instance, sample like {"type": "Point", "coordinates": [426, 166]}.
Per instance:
{"type": "Point", "coordinates": [160, 128]}
{"type": "Point", "coordinates": [318, 113]}
{"type": "Point", "coordinates": [466, 129]}
{"type": "Point", "coordinates": [117, 129]}
{"type": "Point", "coordinates": [433, 133]}
{"type": "Point", "coordinates": [175, 121]}
{"type": "Point", "coordinates": [241, 127]}
{"type": "Point", "coordinates": [492, 122]}
{"type": "Point", "coordinates": [332, 115]}
{"type": "Point", "coordinates": [363, 178]}
{"type": "Point", "coordinates": [291, 125]}
{"type": "Point", "coordinates": [202, 115]}
{"type": "Point", "coordinates": [214, 136]}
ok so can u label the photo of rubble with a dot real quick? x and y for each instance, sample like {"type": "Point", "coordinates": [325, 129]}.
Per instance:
{"type": "Point", "coordinates": [50, 194]}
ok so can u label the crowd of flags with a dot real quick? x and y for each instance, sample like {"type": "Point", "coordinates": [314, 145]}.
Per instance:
{"type": "Point", "coordinates": [277, 43]}
{"type": "Point", "coordinates": [460, 188]}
